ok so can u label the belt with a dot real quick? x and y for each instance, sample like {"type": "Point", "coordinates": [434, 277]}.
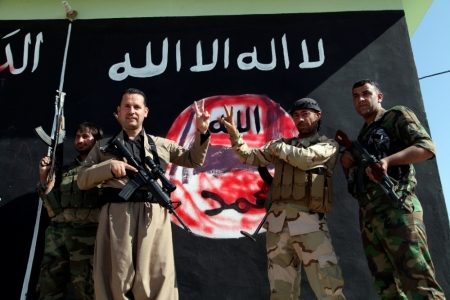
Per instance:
{"type": "Point", "coordinates": [111, 195]}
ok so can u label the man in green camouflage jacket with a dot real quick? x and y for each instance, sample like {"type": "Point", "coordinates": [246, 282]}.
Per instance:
{"type": "Point", "coordinates": [302, 192]}
{"type": "Point", "coordinates": [70, 238]}
{"type": "Point", "coordinates": [394, 238]}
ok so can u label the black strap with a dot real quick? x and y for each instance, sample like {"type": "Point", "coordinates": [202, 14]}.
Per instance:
{"type": "Point", "coordinates": [154, 151]}
{"type": "Point", "coordinates": [107, 148]}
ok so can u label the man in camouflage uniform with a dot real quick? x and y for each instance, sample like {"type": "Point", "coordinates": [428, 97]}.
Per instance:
{"type": "Point", "coordinates": [70, 238]}
{"type": "Point", "coordinates": [297, 230]}
{"type": "Point", "coordinates": [394, 238]}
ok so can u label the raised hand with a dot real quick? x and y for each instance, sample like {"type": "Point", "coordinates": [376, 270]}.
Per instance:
{"type": "Point", "coordinates": [202, 116]}
{"type": "Point", "coordinates": [44, 168]}
{"type": "Point", "coordinates": [228, 120]}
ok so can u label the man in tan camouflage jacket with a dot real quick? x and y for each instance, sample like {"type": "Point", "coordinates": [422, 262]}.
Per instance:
{"type": "Point", "coordinates": [302, 192]}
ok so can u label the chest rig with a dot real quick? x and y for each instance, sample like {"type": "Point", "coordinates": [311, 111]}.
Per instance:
{"type": "Point", "coordinates": [70, 193]}
{"type": "Point", "coordinates": [311, 188]}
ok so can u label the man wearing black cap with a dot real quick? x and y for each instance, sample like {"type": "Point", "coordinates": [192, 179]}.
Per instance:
{"type": "Point", "coordinates": [302, 192]}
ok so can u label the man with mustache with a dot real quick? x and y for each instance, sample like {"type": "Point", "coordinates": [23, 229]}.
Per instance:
{"type": "Point", "coordinates": [134, 253]}
{"type": "Point", "coordinates": [297, 230]}
{"type": "Point", "coordinates": [394, 237]}
{"type": "Point", "coordinates": [70, 238]}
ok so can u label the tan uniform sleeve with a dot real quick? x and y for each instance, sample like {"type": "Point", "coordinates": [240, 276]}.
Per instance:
{"type": "Point", "coordinates": [94, 171]}
{"type": "Point", "coordinates": [193, 157]}
{"type": "Point", "coordinates": [323, 154]}
{"type": "Point", "coordinates": [255, 157]}
{"type": "Point", "coordinates": [97, 166]}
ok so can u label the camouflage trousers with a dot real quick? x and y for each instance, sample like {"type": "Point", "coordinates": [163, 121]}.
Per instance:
{"type": "Point", "coordinates": [68, 257]}
{"type": "Point", "coordinates": [286, 254]}
{"type": "Point", "coordinates": [396, 249]}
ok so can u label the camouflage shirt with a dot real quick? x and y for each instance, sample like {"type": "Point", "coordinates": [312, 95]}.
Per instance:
{"type": "Point", "coordinates": [392, 131]}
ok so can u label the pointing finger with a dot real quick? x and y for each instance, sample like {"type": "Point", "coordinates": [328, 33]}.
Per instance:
{"type": "Point", "coordinates": [129, 167]}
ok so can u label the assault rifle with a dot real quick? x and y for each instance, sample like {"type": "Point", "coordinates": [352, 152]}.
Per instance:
{"type": "Point", "coordinates": [59, 134]}
{"type": "Point", "coordinates": [357, 150]}
{"type": "Point", "coordinates": [144, 176]}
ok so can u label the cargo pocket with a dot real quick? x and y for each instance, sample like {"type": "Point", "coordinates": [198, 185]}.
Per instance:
{"type": "Point", "coordinates": [77, 194]}
{"type": "Point", "coordinates": [321, 193]}
{"type": "Point", "coordinates": [52, 202]}
{"type": "Point", "coordinates": [66, 191]}
{"type": "Point", "coordinates": [82, 214]}
{"type": "Point", "coordinates": [286, 182]}
{"type": "Point", "coordinates": [299, 185]}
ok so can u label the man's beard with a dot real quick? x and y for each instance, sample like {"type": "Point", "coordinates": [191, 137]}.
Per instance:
{"type": "Point", "coordinates": [85, 150]}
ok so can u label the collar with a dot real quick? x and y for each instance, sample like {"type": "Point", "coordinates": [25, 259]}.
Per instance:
{"type": "Point", "coordinates": [126, 138]}
{"type": "Point", "coordinates": [78, 160]}
{"type": "Point", "coordinates": [379, 115]}
{"type": "Point", "coordinates": [305, 142]}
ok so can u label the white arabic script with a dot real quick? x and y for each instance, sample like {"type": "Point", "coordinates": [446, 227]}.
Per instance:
{"type": "Point", "coordinates": [9, 57]}
{"type": "Point", "coordinates": [245, 61]}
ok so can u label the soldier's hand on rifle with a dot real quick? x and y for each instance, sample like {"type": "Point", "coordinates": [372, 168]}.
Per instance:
{"type": "Point", "coordinates": [44, 168]}
{"type": "Point", "coordinates": [347, 160]}
{"type": "Point", "coordinates": [119, 168]}
{"type": "Point", "coordinates": [228, 120]}
{"type": "Point", "coordinates": [202, 116]}
{"type": "Point", "coordinates": [375, 173]}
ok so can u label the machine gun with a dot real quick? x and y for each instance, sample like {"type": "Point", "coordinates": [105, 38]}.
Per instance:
{"type": "Point", "coordinates": [357, 150]}
{"type": "Point", "coordinates": [144, 176]}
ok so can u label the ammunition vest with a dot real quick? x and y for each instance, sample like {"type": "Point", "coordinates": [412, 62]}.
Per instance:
{"type": "Point", "coordinates": [307, 187]}
{"type": "Point", "coordinates": [68, 195]}
{"type": "Point", "coordinates": [71, 195]}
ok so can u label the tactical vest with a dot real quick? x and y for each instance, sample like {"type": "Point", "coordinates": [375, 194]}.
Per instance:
{"type": "Point", "coordinates": [71, 195]}
{"type": "Point", "coordinates": [309, 187]}
{"type": "Point", "coordinates": [68, 195]}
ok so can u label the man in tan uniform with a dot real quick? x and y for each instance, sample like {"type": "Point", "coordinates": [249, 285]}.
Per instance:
{"type": "Point", "coordinates": [134, 253]}
{"type": "Point", "coordinates": [302, 192]}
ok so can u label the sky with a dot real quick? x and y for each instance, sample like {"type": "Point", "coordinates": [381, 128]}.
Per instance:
{"type": "Point", "coordinates": [431, 48]}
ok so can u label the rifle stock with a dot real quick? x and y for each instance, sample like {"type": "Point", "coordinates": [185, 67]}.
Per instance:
{"type": "Point", "coordinates": [380, 175]}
